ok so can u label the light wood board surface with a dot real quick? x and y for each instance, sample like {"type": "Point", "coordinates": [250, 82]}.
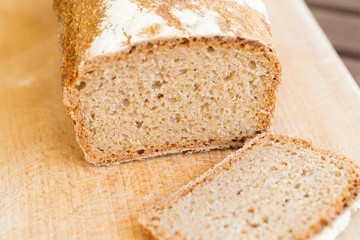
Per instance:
{"type": "Point", "coordinates": [48, 191]}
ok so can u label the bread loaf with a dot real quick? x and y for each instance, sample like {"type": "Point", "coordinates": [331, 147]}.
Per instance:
{"type": "Point", "coordinates": [275, 187]}
{"type": "Point", "coordinates": [144, 78]}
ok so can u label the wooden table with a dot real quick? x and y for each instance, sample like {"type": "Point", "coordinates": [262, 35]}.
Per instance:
{"type": "Point", "coordinates": [48, 191]}
{"type": "Point", "coordinates": [340, 21]}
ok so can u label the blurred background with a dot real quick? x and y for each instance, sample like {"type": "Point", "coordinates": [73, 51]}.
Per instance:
{"type": "Point", "coordinates": [340, 20]}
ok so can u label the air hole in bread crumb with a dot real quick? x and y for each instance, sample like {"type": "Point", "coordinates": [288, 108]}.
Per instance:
{"type": "Point", "coordinates": [81, 86]}
{"type": "Point", "coordinates": [205, 107]}
{"type": "Point", "coordinates": [253, 225]}
{"type": "Point", "coordinates": [275, 168]}
{"type": "Point", "coordinates": [141, 151]}
{"type": "Point", "coordinates": [172, 99]}
{"type": "Point", "coordinates": [185, 41]}
{"type": "Point", "coordinates": [210, 49]}
{"type": "Point", "coordinates": [175, 118]}
{"type": "Point", "coordinates": [297, 185]}
{"type": "Point", "coordinates": [230, 76]}
{"type": "Point", "coordinates": [196, 87]}
{"type": "Point", "coordinates": [160, 95]}
{"type": "Point", "coordinates": [155, 218]}
{"type": "Point", "coordinates": [183, 71]}
{"type": "Point", "coordinates": [157, 84]}
{"type": "Point", "coordinates": [92, 115]}
{"type": "Point", "coordinates": [252, 65]}
{"type": "Point", "coordinates": [126, 102]}
{"type": "Point", "coordinates": [138, 124]}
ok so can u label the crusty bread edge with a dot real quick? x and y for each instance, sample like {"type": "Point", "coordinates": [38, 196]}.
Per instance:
{"type": "Point", "coordinates": [341, 206]}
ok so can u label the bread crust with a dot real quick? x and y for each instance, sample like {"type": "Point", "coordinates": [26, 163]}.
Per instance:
{"type": "Point", "coordinates": [342, 204]}
{"type": "Point", "coordinates": [75, 64]}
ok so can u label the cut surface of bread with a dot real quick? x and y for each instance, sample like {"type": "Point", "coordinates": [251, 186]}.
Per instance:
{"type": "Point", "coordinates": [146, 78]}
{"type": "Point", "coordinates": [276, 187]}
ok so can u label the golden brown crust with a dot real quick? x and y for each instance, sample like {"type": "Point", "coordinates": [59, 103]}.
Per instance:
{"type": "Point", "coordinates": [78, 24]}
{"type": "Point", "coordinates": [345, 200]}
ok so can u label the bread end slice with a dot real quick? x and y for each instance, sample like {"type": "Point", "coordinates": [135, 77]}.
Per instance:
{"type": "Point", "coordinates": [275, 187]}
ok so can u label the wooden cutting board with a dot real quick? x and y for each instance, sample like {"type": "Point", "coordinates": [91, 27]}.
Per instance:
{"type": "Point", "coordinates": [47, 190]}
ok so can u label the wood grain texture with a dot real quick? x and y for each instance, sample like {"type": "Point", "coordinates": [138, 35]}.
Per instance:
{"type": "Point", "coordinates": [47, 189]}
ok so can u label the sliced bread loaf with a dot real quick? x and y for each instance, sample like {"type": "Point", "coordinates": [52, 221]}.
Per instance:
{"type": "Point", "coordinates": [276, 187]}
{"type": "Point", "coordinates": [146, 78]}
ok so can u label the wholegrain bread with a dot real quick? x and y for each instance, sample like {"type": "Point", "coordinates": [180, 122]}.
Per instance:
{"type": "Point", "coordinates": [276, 187]}
{"type": "Point", "coordinates": [146, 78]}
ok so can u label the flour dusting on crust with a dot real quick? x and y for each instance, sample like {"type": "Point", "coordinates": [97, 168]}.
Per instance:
{"type": "Point", "coordinates": [127, 22]}
{"type": "Point", "coordinates": [257, 5]}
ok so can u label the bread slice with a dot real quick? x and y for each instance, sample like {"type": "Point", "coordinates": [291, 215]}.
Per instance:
{"type": "Point", "coordinates": [276, 187]}
{"type": "Point", "coordinates": [146, 78]}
